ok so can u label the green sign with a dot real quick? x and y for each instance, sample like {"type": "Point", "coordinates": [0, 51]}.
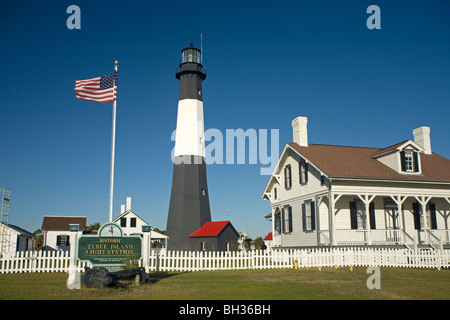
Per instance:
{"type": "Point", "coordinates": [109, 247]}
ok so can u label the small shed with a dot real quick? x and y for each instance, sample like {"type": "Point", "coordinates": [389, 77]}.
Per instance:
{"type": "Point", "coordinates": [57, 233]}
{"type": "Point", "coordinates": [16, 239]}
{"type": "Point", "coordinates": [214, 236]}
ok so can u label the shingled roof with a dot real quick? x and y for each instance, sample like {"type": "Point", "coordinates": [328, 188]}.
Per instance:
{"type": "Point", "coordinates": [62, 223]}
{"type": "Point", "coordinates": [359, 162]}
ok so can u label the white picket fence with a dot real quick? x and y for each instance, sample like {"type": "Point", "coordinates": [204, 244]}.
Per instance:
{"type": "Point", "coordinates": [303, 258]}
{"type": "Point", "coordinates": [38, 261]}
{"type": "Point", "coordinates": [53, 261]}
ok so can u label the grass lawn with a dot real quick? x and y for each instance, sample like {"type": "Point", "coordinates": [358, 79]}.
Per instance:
{"type": "Point", "coordinates": [274, 284]}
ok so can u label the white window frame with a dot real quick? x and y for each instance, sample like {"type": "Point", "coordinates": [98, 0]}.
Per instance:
{"type": "Point", "coordinates": [288, 177]}
{"type": "Point", "coordinates": [308, 217]}
{"type": "Point", "coordinates": [302, 172]}
{"type": "Point", "coordinates": [409, 161]}
{"type": "Point", "coordinates": [360, 215]}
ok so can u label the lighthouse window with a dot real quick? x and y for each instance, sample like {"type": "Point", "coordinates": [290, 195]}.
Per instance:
{"type": "Point", "coordinates": [203, 192]}
{"type": "Point", "coordinates": [190, 55]}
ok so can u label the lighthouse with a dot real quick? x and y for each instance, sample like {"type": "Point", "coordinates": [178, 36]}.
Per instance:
{"type": "Point", "coordinates": [189, 200]}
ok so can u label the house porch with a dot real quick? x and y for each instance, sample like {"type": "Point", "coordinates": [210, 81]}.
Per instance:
{"type": "Point", "coordinates": [349, 218]}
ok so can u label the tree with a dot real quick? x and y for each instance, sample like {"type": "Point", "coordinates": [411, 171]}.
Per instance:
{"type": "Point", "coordinates": [247, 242]}
{"type": "Point", "coordinates": [39, 242]}
{"type": "Point", "coordinates": [258, 242]}
{"type": "Point", "coordinates": [94, 226]}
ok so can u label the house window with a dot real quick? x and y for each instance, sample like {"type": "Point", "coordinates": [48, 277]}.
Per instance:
{"type": "Point", "coordinates": [287, 177]}
{"type": "Point", "coordinates": [409, 161]}
{"type": "Point", "coordinates": [409, 166]}
{"type": "Point", "coordinates": [308, 216]}
{"type": "Point", "coordinates": [430, 216]}
{"type": "Point", "coordinates": [286, 219]}
{"type": "Point", "coordinates": [278, 224]}
{"type": "Point", "coordinates": [132, 222]}
{"type": "Point", "coordinates": [62, 240]}
{"type": "Point", "coordinates": [123, 222]}
{"type": "Point", "coordinates": [303, 169]}
{"type": "Point", "coordinates": [275, 195]}
{"type": "Point", "coordinates": [358, 215]}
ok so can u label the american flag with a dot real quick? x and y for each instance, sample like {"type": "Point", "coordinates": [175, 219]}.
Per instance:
{"type": "Point", "coordinates": [100, 89]}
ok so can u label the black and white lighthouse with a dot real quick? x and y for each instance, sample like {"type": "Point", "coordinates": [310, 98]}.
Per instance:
{"type": "Point", "coordinates": [189, 200]}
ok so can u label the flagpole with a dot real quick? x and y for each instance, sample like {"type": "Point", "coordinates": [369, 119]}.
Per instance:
{"type": "Point", "coordinates": [113, 146]}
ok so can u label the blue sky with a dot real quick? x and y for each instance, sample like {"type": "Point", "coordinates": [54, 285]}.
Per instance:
{"type": "Point", "coordinates": [268, 62]}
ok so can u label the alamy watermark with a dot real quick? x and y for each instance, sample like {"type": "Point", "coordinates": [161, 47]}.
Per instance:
{"type": "Point", "coordinates": [374, 281]}
{"type": "Point", "coordinates": [236, 146]}
{"type": "Point", "coordinates": [74, 20]}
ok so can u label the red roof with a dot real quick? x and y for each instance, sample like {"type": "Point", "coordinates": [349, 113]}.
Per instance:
{"type": "Point", "coordinates": [211, 229]}
{"type": "Point", "coordinates": [269, 236]}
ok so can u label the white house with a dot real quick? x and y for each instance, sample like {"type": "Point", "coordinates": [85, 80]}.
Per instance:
{"type": "Point", "coordinates": [57, 233]}
{"type": "Point", "coordinates": [15, 239]}
{"type": "Point", "coordinates": [132, 224]}
{"type": "Point", "coordinates": [324, 195]}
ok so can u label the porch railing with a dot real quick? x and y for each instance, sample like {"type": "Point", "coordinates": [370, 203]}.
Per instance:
{"type": "Point", "coordinates": [441, 234]}
{"type": "Point", "coordinates": [364, 237]}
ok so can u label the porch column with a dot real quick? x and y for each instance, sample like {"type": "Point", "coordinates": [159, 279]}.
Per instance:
{"type": "Point", "coordinates": [273, 225]}
{"type": "Point", "coordinates": [366, 199]}
{"type": "Point", "coordinates": [331, 226]}
{"type": "Point", "coordinates": [332, 199]}
{"type": "Point", "coordinates": [423, 200]}
{"type": "Point", "coordinates": [318, 201]}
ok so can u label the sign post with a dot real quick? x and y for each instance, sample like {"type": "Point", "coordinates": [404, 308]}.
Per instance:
{"type": "Point", "coordinates": [146, 230]}
{"type": "Point", "coordinates": [109, 248]}
{"type": "Point", "coordinates": [73, 282]}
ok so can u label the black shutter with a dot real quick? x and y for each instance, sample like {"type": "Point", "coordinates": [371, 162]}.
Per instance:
{"type": "Point", "coordinates": [415, 162]}
{"type": "Point", "coordinates": [290, 218]}
{"type": "Point", "coordinates": [283, 224]}
{"type": "Point", "coordinates": [285, 177]}
{"type": "Point", "coordinates": [416, 213]}
{"type": "Point", "coordinates": [306, 172]}
{"type": "Point", "coordinates": [300, 167]}
{"type": "Point", "coordinates": [372, 216]}
{"type": "Point", "coordinates": [290, 176]}
{"type": "Point", "coordinates": [353, 219]}
{"type": "Point", "coordinates": [313, 216]}
{"type": "Point", "coordinates": [304, 217]}
{"type": "Point", "coordinates": [403, 160]}
{"type": "Point", "coordinates": [432, 208]}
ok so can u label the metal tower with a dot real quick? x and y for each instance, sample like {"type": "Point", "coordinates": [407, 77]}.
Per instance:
{"type": "Point", "coordinates": [5, 193]}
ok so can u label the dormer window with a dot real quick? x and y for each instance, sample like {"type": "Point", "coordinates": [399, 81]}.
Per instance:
{"type": "Point", "coordinates": [410, 162]}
